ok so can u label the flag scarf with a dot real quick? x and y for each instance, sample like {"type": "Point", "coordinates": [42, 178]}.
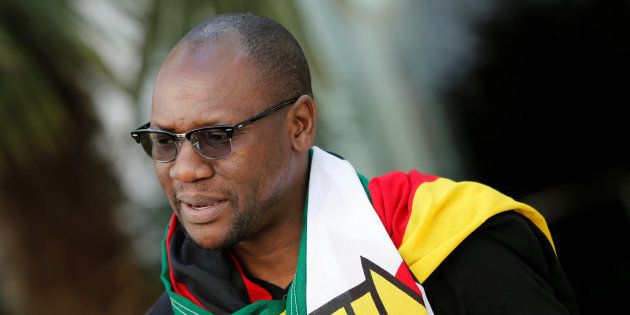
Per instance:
{"type": "Point", "coordinates": [363, 256]}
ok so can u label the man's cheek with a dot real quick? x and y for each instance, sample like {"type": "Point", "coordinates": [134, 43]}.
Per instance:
{"type": "Point", "coordinates": [163, 178]}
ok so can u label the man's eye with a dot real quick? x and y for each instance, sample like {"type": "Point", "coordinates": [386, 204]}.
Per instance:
{"type": "Point", "coordinates": [215, 136]}
{"type": "Point", "coordinates": [164, 140]}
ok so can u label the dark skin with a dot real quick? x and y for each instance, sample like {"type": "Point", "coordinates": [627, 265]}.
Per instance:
{"type": "Point", "coordinates": [255, 196]}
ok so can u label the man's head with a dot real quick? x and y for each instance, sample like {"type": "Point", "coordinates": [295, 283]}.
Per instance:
{"type": "Point", "coordinates": [275, 53]}
{"type": "Point", "coordinates": [227, 69]}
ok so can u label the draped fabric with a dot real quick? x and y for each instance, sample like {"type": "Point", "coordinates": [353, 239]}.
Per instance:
{"type": "Point", "coordinates": [364, 250]}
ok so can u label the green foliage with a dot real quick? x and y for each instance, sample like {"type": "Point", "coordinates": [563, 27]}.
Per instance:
{"type": "Point", "coordinates": [42, 58]}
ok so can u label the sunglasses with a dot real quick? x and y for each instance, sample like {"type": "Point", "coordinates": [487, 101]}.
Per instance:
{"type": "Point", "coordinates": [211, 142]}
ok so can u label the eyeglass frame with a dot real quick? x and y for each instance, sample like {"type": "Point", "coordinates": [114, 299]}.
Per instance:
{"type": "Point", "coordinates": [229, 130]}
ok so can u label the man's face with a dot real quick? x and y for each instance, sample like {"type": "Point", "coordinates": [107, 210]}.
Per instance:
{"type": "Point", "coordinates": [221, 202]}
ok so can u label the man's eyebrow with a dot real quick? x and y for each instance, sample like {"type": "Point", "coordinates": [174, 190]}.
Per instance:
{"type": "Point", "coordinates": [159, 127]}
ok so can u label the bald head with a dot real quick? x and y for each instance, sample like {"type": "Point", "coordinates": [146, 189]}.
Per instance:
{"type": "Point", "coordinates": [276, 55]}
{"type": "Point", "coordinates": [225, 71]}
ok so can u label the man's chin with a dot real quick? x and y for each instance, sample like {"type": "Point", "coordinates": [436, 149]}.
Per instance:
{"type": "Point", "coordinates": [208, 241]}
{"type": "Point", "coordinates": [212, 246]}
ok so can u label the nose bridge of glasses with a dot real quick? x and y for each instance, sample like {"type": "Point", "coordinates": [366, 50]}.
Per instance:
{"type": "Point", "coordinates": [188, 135]}
{"type": "Point", "coordinates": [179, 136]}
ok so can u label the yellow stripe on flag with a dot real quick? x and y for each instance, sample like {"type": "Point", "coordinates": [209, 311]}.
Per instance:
{"type": "Point", "coordinates": [444, 213]}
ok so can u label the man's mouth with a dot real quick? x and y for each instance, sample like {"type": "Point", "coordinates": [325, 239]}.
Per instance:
{"type": "Point", "coordinates": [200, 210]}
{"type": "Point", "coordinates": [203, 205]}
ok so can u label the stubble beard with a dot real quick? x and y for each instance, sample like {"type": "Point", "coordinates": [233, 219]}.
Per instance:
{"type": "Point", "coordinates": [241, 227]}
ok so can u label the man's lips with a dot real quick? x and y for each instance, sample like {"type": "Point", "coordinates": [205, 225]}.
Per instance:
{"type": "Point", "coordinates": [200, 209]}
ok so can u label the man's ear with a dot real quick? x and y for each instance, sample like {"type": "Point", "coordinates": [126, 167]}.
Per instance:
{"type": "Point", "coordinates": [303, 123]}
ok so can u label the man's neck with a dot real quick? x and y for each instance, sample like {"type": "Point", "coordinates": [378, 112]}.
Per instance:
{"type": "Point", "coordinates": [271, 255]}
{"type": "Point", "coordinates": [272, 258]}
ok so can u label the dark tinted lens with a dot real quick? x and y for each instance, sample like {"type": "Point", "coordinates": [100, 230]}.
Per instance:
{"type": "Point", "coordinates": [212, 143]}
{"type": "Point", "coordinates": [159, 146]}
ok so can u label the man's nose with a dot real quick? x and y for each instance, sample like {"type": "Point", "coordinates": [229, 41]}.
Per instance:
{"type": "Point", "coordinates": [189, 166]}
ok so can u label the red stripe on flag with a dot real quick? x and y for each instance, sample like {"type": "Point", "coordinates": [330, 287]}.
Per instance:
{"type": "Point", "coordinates": [179, 288]}
{"type": "Point", "coordinates": [404, 275]}
{"type": "Point", "coordinates": [392, 197]}
{"type": "Point", "coordinates": [254, 291]}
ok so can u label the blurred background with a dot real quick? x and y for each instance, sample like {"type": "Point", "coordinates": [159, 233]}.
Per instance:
{"type": "Point", "coordinates": [526, 96]}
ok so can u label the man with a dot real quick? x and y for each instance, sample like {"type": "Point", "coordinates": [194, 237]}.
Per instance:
{"type": "Point", "coordinates": [265, 223]}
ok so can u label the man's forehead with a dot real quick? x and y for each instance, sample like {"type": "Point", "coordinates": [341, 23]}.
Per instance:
{"type": "Point", "coordinates": [216, 51]}
{"type": "Point", "coordinates": [205, 82]}
{"type": "Point", "coordinates": [223, 57]}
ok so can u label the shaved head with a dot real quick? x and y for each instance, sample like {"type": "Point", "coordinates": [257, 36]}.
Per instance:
{"type": "Point", "coordinates": [226, 70]}
{"type": "Point", "coordinates": [276, 55]}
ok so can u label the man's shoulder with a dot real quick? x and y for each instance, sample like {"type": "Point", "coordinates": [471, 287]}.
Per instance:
{"type": "Point", "coordinates": [428, 216]}
{"type": "Point", "coordinates": [399, 197]}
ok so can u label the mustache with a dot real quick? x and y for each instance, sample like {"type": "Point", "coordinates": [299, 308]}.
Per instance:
{"type": "Point", "coordinates": [201, 189]}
